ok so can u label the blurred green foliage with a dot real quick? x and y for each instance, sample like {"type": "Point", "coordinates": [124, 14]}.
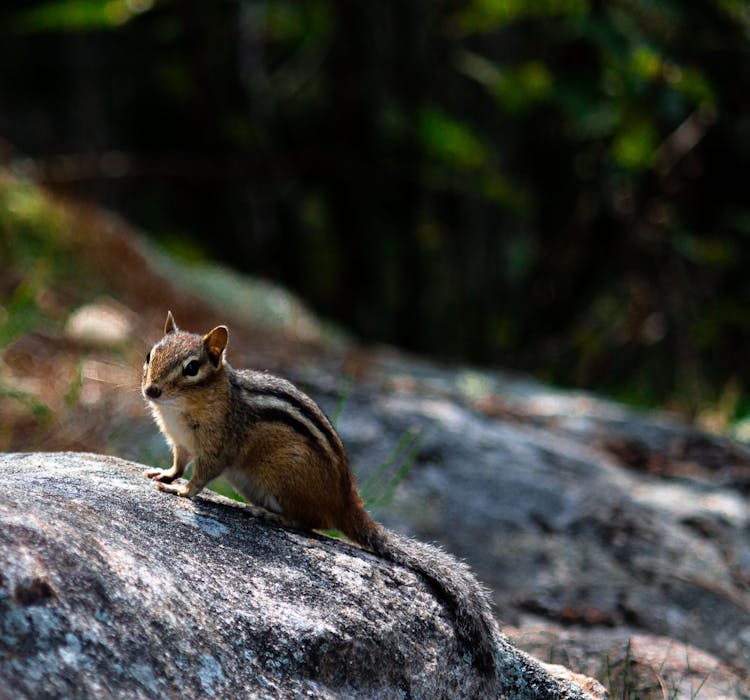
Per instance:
{"type": "Point", "coordinates": [77, 15]}
{"type": "Point", "coordinates": [33, 257]}
{"type": "Point", "coordinates": [554, 185]}
{"type": "Point", "coordinates": [39, 261]}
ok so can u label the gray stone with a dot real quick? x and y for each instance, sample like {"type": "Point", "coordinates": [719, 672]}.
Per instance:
{"type": "Point", "coordinates": [572, 509]}
{"type": "Point", "coordinates": [109, 588]}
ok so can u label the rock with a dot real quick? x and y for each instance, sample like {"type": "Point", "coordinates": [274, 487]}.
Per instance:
{"type": "Point", "coordinates": [103, 323]}
{"type": "Point", "coordinates": [572, 509]}
{"type": "Point", "coordinates": [109, 588]}
{"type": "Point", "coordinates": [642, 666]}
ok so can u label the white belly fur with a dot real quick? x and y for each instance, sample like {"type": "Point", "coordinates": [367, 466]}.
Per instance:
{"type": "Point", "coordinates": [250, 491]}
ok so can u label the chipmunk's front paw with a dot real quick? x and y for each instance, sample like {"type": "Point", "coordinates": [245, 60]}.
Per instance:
{"type": "Point", "coordinates": [164, 475]}
{"type": "Point", "coordinates": [179, 489]}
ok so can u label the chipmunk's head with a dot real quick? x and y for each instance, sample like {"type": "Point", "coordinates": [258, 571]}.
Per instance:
{"type": "Point", "coordinates": [182, 363]}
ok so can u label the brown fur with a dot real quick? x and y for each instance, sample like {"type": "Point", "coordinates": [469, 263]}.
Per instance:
{"type": "Point", "coordinates": [281, 452]}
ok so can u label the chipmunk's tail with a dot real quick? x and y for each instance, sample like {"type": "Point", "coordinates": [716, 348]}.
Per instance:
{"type": "Point", "coordinates": [452, 581]}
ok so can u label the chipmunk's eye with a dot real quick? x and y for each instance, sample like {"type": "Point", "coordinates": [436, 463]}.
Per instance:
{"type": "Point", "coordinates": [191, 368]}
{"type": "Point", "coordinates": [148, 357]}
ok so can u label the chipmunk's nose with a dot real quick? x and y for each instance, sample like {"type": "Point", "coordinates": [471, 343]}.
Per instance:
{"type": "Point", "coordinates": [152, 391]}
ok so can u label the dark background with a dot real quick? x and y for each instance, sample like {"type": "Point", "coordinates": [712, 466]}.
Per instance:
{"type": "Point", "coordinates": [557, 186]}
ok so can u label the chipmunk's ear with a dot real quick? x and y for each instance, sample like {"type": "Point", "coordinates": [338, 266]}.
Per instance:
{"type": "Point", "coordinates": [215, 342]}
{"type": "Point", "coordinates": [169, 326]}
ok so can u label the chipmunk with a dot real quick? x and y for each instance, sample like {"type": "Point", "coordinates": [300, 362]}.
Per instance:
{"type": "Point", "coordinates": [279, 451]}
